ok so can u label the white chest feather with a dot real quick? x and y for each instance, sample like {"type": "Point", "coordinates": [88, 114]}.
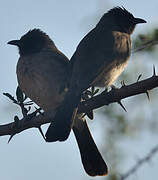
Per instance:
{"type": "Point", "coordinates": [115, 73]}
{"type": "Point", "coordinates": [109, 75]}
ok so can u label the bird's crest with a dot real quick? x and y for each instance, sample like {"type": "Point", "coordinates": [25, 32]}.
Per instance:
{"type": "Point", "coordinates": [119, 11]}
{"type": "Point", "coordinates": [36, 35]}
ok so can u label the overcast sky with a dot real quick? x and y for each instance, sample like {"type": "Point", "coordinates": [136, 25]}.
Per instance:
{"type": "Point", "coordinates": [66, 22]}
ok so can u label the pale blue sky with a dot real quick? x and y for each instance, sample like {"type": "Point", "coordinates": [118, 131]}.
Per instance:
{"type": "Point", "coordinates": [66, 22]}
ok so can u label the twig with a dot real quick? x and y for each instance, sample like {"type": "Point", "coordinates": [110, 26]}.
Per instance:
{"type": "Point", "coordinates": [140, 162]}
{"type": "Point", "coordinates": [145, 45]}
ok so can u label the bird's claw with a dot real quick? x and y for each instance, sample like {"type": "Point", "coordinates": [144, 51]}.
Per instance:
{"type": "Point", "coordinates": [113, 87]}
{"type": "Point", "coordinates": [123, 83]}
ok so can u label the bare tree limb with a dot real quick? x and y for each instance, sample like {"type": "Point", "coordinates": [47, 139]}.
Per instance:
{"type": "Point", "coordinates": [145, 46]}
{"type": "Point", "coordinates": [26, 123]}
{"type": "Point", "coordinates": [105, 98]}
{"type": "Point", "coordinates": [116, 95]}
{"type": "Point", "coordinates": [140, 162]}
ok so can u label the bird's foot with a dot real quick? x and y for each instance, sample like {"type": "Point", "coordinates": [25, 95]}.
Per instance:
{"type": "Point", "coordinates": [113, 87]}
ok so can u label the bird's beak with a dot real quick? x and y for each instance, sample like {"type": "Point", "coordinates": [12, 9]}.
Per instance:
{"type": "Point", "coordinates": [14, 42]}
{"type": "Point", "coordinates": [139, 20]}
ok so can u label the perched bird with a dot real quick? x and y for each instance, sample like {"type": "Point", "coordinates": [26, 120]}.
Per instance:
{"type": "Point", "coordinates": [99, 59]}
{"type": "Point", "coordinates": [42, 75]}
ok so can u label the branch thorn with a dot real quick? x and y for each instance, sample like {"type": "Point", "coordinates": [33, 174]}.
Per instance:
{"type": "Point", "coordinates": [154, 71]}
{"type": "Point", "coordinates": [10, 138]}
{"type": "Point", "coordinates": [120, 103]}
{"type": "Point", "coordinates": [139, 77]}
{"type": "Point", "coordinates": [147, 93]}
{"type": "Point", "coordinates": [41, 132]}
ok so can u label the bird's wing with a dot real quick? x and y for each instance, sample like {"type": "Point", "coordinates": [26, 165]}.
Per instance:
{"type": "Point", "coordinates": [93, 54]}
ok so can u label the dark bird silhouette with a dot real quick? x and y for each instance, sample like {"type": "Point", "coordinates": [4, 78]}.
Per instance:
{"type": "Point", "coordinates": [42, 72]}
{"type": "Point", "coordinates": [99, 59]}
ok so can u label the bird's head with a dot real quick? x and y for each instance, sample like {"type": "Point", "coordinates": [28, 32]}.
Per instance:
{"type": "Point", "coordinates": [32, 42]}
{"type": "Point", "coordinates": [121, 19]}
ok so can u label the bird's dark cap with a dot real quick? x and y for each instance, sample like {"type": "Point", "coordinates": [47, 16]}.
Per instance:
{"type": "Point", "coordinates": [122, 12]}
{"type": "Point", "coordinates": [32, 42]}
{"type": "Point", "coordinates": [35, 35]}
{"type": "Point", "coordinates": [14, 42]}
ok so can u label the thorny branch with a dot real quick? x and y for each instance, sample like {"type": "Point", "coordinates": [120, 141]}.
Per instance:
{"type": "Point", "coordinates": [105, 98]}
{"type": "Point", "coordinates": [20, 100]}
{"type": "Point", "coordinates": [145, 45]}
{"type": "Point", "coordinates": [140, 162]}
{"type": "Point", "coordinates": [116, 95]}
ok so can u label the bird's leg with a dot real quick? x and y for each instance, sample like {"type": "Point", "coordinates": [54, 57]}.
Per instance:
{"type": "Point", "coordinates": [113, 87]}
{"type": "Point", "coordinates": [87, 95]}
{"type": "Point", "coordinates": [123, 83]}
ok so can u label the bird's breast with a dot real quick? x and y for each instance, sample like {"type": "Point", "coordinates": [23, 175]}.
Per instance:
{"type": "Point", "coordinates": [109, 75]}
{"type": "Point", "coordinates": [116, 61]}
{"type": "Point", "coordinates": [122, 45]}
{"type": "Point", "coordinates": [37, 83]}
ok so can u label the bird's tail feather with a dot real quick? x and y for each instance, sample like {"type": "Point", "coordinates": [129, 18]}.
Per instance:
{"type": "Point", "coordinates": [60, 128]}
{"type": "Point", "coordinates": [92, 160]}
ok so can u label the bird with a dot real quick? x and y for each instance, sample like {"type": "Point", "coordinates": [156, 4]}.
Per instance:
{"type": "Point", "coordinates": [99, 59]}
{"type": "Point", "coordinates": [42, 71]}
